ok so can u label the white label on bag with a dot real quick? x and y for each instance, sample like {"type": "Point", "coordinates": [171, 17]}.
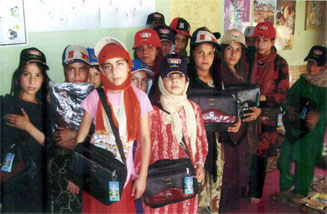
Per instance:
{"type": "Point", "coordinates": [7, 165]}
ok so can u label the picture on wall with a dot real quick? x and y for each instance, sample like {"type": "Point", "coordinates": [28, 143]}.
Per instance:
{"type": "Point", "coordinates": [285, 23]}
{"type": "Point", "coordinates": [314, 15]}
{"type": "Point", "coordinates": [12, 23]}
{"type": "Point", "coordinates": [237, 14]}
{"type": "Point", "coordinates": [263, 11]}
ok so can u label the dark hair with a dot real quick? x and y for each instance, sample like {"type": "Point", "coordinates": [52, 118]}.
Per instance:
{"type": "Point", "coordinates": [214, 69]}
{"type": "Point", "coordinates": [16, 88]}
{"type": "Point", "coordinates": [240, 67]}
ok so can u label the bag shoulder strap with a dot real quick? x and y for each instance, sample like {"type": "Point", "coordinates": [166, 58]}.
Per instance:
{"type": "Point", "coordinates": [103, 98]}
{"type": "Point", "coordinates": [183, 140]}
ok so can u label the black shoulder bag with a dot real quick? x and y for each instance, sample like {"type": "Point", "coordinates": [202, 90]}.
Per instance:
{"type": "Point", "coordinates": [166, 180]}
{"type": "Point", "coordinates": [98, 166]}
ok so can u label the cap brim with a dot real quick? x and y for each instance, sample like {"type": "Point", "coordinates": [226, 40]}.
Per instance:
{"type": "Point", "coordinates": [37, 61]}
{"type": "Point", "coordinates": [106, 41]}
{"type": "Point", "coordinates": [175, 72]}
{"type": "Point", "coordinates": [76, 60]}
{"type": "Point", "coordinates": [149, 72]}
{"type": "Point", "coordinates": [183, 32]}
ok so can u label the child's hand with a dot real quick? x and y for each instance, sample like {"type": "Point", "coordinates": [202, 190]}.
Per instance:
{"type": "Point", "coordinates": [72, 188]}
{"type": "Point", "coordinates": [64, 134]}
{"type": "Point", "coordinates": [312, 119]}
{"type": "Point", "coordinates": [18, 121]}
{"type": "Point", "coordinates": [68, 144]}
{"type": "Point", "coordinates": [235, 127]}
{"type": "Point", "coordinates": [199, 173]}
{"type": "Point", "coordinates": [252, 115]}
{"type": "Point", "coordinates": [138, 187]}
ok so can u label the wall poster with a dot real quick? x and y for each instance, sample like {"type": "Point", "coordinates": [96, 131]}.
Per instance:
{"type": "Point", "coordinates": [12, 23]}
{"type": "Point", "coordinates": [237, 14]}
{"type": "Point", "coordinates": [285, 23]}
{"type": "Point", "coordinates": [314, 15]}
{"type": "Point", "coordinates": [263, 11]}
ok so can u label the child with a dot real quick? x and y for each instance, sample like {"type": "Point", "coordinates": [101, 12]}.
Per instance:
{"type": "Point", "coordinates": [155, 19]}
{"type": "Point", "coordinates": [141, 75]}
{"type": "Point", "coordinates": [233, 72]}
{"type": "Point", "coordinates": [184, 120]}
{"type": "Point", "coordinates": [23, 120]}
{"type": "Point", "coordinates": [147, 48]}
{"type": "Point", "coordinates": [130, 107]}
{"type": "Point", "coordinates": [270, 71]}
{"type": "Point", "coordinates": [166, 35]}
{"type": "Point", "coordinates": [306, 150]}
{"type": "Point", "coordinates": [182, 35]}
{"type": "Point", "coordinates": [94, 72]}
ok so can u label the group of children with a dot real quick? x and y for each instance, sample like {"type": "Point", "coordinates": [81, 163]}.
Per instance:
{"type": "Point", "coordinates": [229, 165]}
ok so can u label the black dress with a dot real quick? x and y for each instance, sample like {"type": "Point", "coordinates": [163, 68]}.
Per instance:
{"type": "Point", "coordinates": [25, 191]}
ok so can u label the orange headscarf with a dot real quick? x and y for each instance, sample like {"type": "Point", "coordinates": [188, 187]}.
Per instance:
{"type": "Point", "coordinates": [132, 105]}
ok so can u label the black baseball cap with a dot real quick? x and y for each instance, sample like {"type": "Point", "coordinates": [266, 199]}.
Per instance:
{"type": "Point", "coordinates": [29, 55]}
{"type": "Point", "coordinates": [165, 33]}
{"type": "Point", "coordinates": [173, 62]}
{"type": "Point", "coordinates": [155, 17]}
{"type": "Point", "coordinates": [317, 54]}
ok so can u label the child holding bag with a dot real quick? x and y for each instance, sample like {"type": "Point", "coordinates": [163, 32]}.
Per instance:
{"type": "Point", "coordinates": [177, 118]}
{"type": "Point", "coordinates": [130, 107]}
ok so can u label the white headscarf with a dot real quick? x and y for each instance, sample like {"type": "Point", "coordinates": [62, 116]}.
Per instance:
{"type": "Point", "coordinates": [169, 102]}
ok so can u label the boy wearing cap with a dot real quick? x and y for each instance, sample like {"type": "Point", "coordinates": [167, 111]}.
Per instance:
{"type": "Point", "coordinates": [155, 19]}
{"type": "Point", "coordinates": [270, 71]}
{"type": "Point", "coordinates": [75, 61]}
{"type": "Point", "coordinates": [306, 149]}
{"type": "Point", "coordinates": [94, 72]}
{"type": "Point", "coordinates": [166, 35]}
{"type": "Point", "coordinates": [182, 35]}
{"type": "Point", "coordinates": [141, 75]}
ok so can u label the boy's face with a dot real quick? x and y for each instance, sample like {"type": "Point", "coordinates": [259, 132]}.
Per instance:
{"type": "Point", "coordinates": [313, 68]}
{"type": "Point", "coordinates": [166, 46]}
{"type": "Point", "coordinates": [76, 72]}
{"type": "Point", "coordinates": [116, 70]}
{"type": "Point", "coordinates": [94, 77]}
{"type": "Point", "coordinates": [175, 83]}
{"type": "Point", "coordinates": [140, 79]}
{"type": "Point", "coordinates": [147, 54]}
{"type": "Point", "coordinates": [180, 43]}
{"type": "Point", "coordinates": [263, 45]}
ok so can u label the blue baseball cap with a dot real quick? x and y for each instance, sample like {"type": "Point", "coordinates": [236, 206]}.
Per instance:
{"type": "Point", "coordinates": [93, 59]}
{"type": "Point", "coordinates": [140, 65]}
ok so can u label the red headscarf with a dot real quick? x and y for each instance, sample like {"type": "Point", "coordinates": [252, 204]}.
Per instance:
{"type": "Point", "coordinates": [132, 105]}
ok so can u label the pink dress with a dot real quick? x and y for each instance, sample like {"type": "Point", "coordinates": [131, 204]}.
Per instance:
{"type": "Point", "coordinates": [126, 203]}
{"type": "Point", "coordinates": [165, 146]}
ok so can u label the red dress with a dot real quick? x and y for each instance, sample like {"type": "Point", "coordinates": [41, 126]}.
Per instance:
{"type": "Point", "coordinates": [165, 146]}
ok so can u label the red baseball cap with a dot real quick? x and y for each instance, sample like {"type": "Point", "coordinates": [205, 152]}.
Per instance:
{"type": "Point", "coordinates": [264, 29]}
{"type": "Point", "coordinates": [181, 26]}
{"type": "Point", "coordinates": [146, 37]}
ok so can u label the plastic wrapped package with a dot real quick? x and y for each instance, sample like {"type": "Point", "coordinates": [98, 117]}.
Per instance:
{"type": "Point", "coordinates": [65, 104]}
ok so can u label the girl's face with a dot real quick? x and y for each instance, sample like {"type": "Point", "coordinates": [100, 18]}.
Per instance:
{"type": "Point", "coordinates": [147, 54]}
{"type": "Point", "coordinates": [175, 83]}
{"type": "Point", "coordinates": [116, 70]}
{"type": "Point", "coordinates": [94, 77]}
{"type": "Point", "coordinates": [180, 43]}
{"type": "Point", "coordinates": [233, 53]}
{"type": "Point", "coordinates": [140, 79]}
{"type": "Point", "coordinates": [31, 81]}
{"type": "Point", "coordinates": [263, 45]}
{"type": "Point", "coordinates": [204, 55]}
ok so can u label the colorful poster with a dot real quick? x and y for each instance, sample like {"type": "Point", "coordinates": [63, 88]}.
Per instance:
{"type": "Point", "coordinates": [263, 11]}
{"type": "Point", "coordinates": [237, 14]}
{"type": "Point", "coordinates": [285, 23]}
{"type": "Point", "coordinates": [12, 23]}
{"type": "Point", "coordinates": [314, 15]}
